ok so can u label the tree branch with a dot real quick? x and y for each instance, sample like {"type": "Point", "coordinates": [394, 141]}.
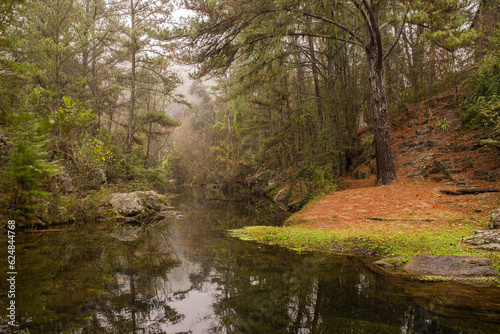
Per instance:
{"type": "Point", "coordinates": [335, 23]}
{"type": "Point", "coordinates": [305, 34]}
{"type": "Point", "coordinates": [363, 12]}
{"type": "Point", "coordinates": [374, 31]}
{"type": "Point", "coordinates": [397, 36]}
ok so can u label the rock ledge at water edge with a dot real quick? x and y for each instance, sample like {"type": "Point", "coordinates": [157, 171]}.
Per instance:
{"type": "Point", "coordinates": [435, 265]}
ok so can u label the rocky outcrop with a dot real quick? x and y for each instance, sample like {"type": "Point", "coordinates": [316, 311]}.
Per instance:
{"type": "Point", "coordinates": [423, 130]}
{"type": "Point", "coordinates": [450, 265]}
{"type": "Point", "coordinates": [487, 239]}
{"type": "Point", "coordinates": [96, 177]}
{"type": "Point", "coordinates": [63, 181]}
{"type": "Point", "coordinates": [445, 266]}
{"type": "Point", "coordinates": [291, 198]}
{"type": "Point", "coordinates": [421, 164]}
{"type": "Point", "coordinates": [495, 219]}
{"type": "Point", "coordinates": [138, 202]}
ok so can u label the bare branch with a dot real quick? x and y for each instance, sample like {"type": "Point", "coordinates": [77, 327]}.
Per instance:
{"type": "Point", "coordinates": [333, 22]}
{"type": "Point", "coordinates": [305, 34]}
{"type": "Point", "coordinates": [397, 36]}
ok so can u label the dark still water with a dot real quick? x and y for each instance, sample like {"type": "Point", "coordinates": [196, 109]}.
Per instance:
{"type": "Point", "coordinates": [186, 276]}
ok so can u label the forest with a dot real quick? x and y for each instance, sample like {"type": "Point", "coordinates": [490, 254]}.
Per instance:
{"type": "Point", "coordinates": [90, 101]}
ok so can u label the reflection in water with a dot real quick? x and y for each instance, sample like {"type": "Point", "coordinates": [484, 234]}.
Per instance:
{"type": "Point", "coordinates": [186, 276]}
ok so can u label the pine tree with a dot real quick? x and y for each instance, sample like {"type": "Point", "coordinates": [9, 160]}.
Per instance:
{"type": "Point", "coordinates": [229, 32]}
{"type": "Point", "coordinates": [29, 167]}
{"type": "Point", "coordinates": [145, 44]}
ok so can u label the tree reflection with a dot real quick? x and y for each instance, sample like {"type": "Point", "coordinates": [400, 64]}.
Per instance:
{"type": "Point", "coordinates": [185, 276]}
{"type": "Point", "coordinates": [138, 298]}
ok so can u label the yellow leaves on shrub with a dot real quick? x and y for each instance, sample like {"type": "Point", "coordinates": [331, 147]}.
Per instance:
{"type": "Point", "coordinates": [93, 152]}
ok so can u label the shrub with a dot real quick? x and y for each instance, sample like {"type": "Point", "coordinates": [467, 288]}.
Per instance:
{"type": "Point", "coordinates": [483, 103]}
{"type": "Point", "coordinates": [29, 168]}
{"type": "Point", "coordinates": [489, 109]}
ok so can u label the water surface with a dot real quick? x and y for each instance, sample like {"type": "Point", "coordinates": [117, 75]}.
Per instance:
{"type": "Point", "coordinates": [187, 276]}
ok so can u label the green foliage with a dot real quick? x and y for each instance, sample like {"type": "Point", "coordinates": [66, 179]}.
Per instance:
{"type": "Point", "coordinates": [74, 117]}
{"type": "Point", "coordinates": [483, 103]}
{"type": "Point", "coordinates": [126, 162]}
{"type": "Point", "coordinates": [90, 148]}
{"type": "Point", "coordinates": [157, 178]}
{"type": "Point", "coordinates": [367, 141]}
{"type": "Point", "coordinates": [323, 182]}
{"type": "Point", "coordinates": [94, 153]}
{"type": "Point", "coordinates": [38, 101]}
{"type": "Point", "coordinates": [61, 99]}
{"type": "Point", "coordinates": [130, 168]}
{"type": "Point", "coordinates": [29, 167]}
{"type": "Point", "coordinates": [442, 124]}
{"type": "Point", "coordinates": [449, 22]}
{"type": "Point", "coordinates": [490, 114]}
{"type": "Point", "coordinates": [174, 167]}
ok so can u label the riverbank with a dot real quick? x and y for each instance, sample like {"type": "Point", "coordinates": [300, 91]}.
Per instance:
{"type": "Point", "coordinates": [404, 218]}
{"type": "Point", "coordinates": [421, 212]}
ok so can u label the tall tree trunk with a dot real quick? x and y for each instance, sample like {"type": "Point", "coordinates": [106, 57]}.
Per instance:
{"type": "Point", "coordinates": [418, 61]}
{"type": "Point", "coordinates": [95, 87]}
{"type": "Point", "coordinates": [132, 81]}
{"type": "Point", "coordinates": [317, 88]}
{"type": "Point", "coordinates": [58, 97]}
{"type": "Point", "coordinates": [385, 164]}
{"type": "Point", "coordinates": [229, 131]}
{"type": "Point", "coordinates": [149, 140]}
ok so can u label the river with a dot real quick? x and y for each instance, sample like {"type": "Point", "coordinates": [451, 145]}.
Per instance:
{"type": "Point", "coordinates": [187, 276]}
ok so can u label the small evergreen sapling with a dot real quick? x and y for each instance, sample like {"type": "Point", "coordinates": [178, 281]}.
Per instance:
{"type": "Point", "coordinates": [29, 168]}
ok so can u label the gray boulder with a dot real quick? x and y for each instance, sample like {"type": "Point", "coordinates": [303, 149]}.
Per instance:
{"type": "Point", "coordinates": [64, 182]}
{"type": "Point", "coordinates": [96, 177]}
{"type": "Point", "coordinates": [132, 204]}
{"type": "Point", "coordinates": [485, 239]}
{"type": "Point", "coordinates": [127, 204]}
{"type": "Point", "coordinates": [495, 219]}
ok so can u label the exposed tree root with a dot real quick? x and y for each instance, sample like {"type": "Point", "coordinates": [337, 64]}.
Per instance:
{"type": "Point", "coordinates": [470, 191]}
